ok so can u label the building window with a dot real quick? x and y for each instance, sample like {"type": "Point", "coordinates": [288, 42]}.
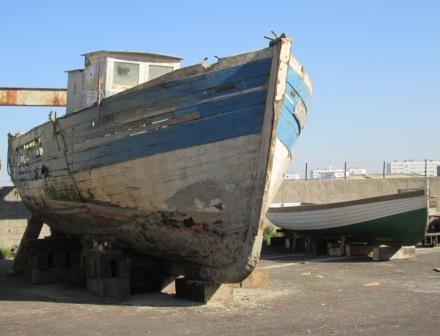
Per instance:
{"type": "Point", "coordinates": [125, 75]}
{"type": "Point", "coordinates": [158, 70]}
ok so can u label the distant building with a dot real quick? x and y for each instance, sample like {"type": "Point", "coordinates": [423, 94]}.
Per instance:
{"type": "Point", "coordinates": [411, 167]}
{"type": "Point", "coordinates": [332, 173]}
{"type": "Point", "coordinates": [438, 170]}
{"type": "Point", "coordinates": [357, 171]}
{"type": "Point", "coordinates": [291, 176]}
{"type": "Point", "coordinates": [328, 173]}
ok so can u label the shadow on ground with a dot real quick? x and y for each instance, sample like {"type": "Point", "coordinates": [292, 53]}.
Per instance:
{"type": "Point", "coordinates": [281, 254]}
{"type": "Point", "coordinates": [18, 288]}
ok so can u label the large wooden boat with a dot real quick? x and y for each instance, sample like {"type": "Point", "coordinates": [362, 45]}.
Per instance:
{"type": "Point", "coordinates": [181, 167]}
{"type": "Point", "coordinates": [394, 219]}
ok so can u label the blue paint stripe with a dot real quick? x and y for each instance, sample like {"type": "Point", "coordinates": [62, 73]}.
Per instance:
{"type": "Point", "coordinates": [207, 109]}
{"type": "Point", "coordinates": [194, 97]}
{"type": "Point", "coordinates": [217, 128]}
{"type": "Point", "coordinates": [294, 81]}
{"type": "Point", "coordinates": [290, 106]}
{"type": "Point", "coordinates": [185, 88]}
{"type": "Point", "coordinates": [257, 98]}
{"type": "Point", "coordinates": [287, 129]}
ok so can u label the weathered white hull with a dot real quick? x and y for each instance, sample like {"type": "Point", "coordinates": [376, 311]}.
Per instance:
{"type": "Point", "coordinates": [213, 184]}
{"type": "Point", "coordinates": [400, 217]}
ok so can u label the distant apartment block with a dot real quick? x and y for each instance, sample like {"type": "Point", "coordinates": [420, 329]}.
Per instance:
{"type": "Point", "coordinates": [332, 173]}
{"type": "Point", "coordinates": [411, 167]}
{"type": "Point", "coordinates": [291, 176]}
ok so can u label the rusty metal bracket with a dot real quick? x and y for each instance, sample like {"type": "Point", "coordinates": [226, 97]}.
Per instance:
{"type": "Point", "coordinates": [32, 97]}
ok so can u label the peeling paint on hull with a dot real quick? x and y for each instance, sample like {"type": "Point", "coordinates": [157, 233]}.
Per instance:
{"type": "Point", "coordinates": [182, 168]}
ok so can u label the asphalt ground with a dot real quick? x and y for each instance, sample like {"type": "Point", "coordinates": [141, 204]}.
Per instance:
{"type": "Point", "coordinates": [307, 295]}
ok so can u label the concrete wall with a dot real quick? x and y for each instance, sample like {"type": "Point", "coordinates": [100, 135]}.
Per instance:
{"type": "Point", "coordinates": [434, 190]}
{"type": "Point", "coordinates": [13, 218]}
{"type": "Point", "coordinates": [339, 190]}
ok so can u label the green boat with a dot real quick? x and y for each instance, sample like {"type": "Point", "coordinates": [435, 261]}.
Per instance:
{"type": "Point", "coordinates": [398, 219]}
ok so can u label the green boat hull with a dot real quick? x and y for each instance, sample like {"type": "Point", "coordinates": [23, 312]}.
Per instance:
{"type": "Point", "coordinates": [406, 228]}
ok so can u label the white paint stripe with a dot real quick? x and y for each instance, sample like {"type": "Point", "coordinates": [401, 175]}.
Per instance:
{"type": "Point", "coordinates": [281, 160]}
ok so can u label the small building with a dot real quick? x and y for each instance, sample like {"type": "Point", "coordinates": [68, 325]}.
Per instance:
{"type": "Point", "coordinates": [328, 173]}
{"type": "Point", "coordinates": [412, 167]}
{"type": "Point", "coordinates": [332, 173]}
{"type": "Point", "coordinates": [291, 176]}
{"type": "Point", "coordinates": [357, 171]}
{"type": "Point", "coordinates": [108, 72]}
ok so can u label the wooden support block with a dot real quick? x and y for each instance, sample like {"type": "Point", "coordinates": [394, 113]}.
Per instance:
{"type": "Point", "coordinates": [50, 260]}
{"type": "Point", "coordinates": [257, 279]}
{"type": "Point", "coordinates": [300, 243]}
{"type": "Point", "coordinates": [105, 254]}
{"type": "Point", "coordinates": [277, 241]}
{"type": "Point", "coordinates": [288, 243]}
{"type": "Point", "coordinates": [111, 287]}
{"type": "Point", "coordinates": [31, 232]}
{"type": "Point", "coordinates": [90, 267]}
{"type": "Point", "coordinates": [57, 275]}
{"type": "Point", "coordinates": [104, 268]}
{"type": "Point", "coordinates": [203, 291]}
{"type": "Point", "coordinates": [294, 242]}
{"type": "Point", "coordinates": [318, 246]}
{"type": "Point", "coordinates": [332, 249]}
{"type": "Point", "coordinates": [75, 259]}
{"type": "Point", "coordinates": [123, 268]}
{"type": "Point", "coordinates": [383, 252]}
{"type": "Point", "coordinates": [60, 259]}
{"type": "Point", "coordinates": [354, 250]}
{"type": "Point", "coordinates": [54, 244]}
{"type": "Point", "coordinates": [341, 251]}
{"type": "Point", "coordinates": [169, 286]}
{"type": "Point", "coordinates": [146, 280]}
{"type": "Point", "coordinates": [308, 244]}
{"type": "Point", "coordinates": [107, 272]}
{"type": "Point", "coordinates": [40, 261]}
{"type": "Point", "coordinates": [105, 264]}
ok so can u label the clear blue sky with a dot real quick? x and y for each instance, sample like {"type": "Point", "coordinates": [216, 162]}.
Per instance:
{"type": "Point", "coordinates": [375, 65]}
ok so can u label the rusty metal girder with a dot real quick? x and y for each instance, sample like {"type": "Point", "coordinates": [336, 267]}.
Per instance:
{"type": "Point", "coordinates": [32, 97]}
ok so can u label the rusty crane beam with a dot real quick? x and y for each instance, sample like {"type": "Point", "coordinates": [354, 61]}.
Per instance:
{"type": "Point", "coordinates": [32, 97]}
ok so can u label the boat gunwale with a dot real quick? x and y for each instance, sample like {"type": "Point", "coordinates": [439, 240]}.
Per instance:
{"type": "Point", "coordinates": [174, 76]}
{"type": "Point", "coordinates": [376, 199]}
